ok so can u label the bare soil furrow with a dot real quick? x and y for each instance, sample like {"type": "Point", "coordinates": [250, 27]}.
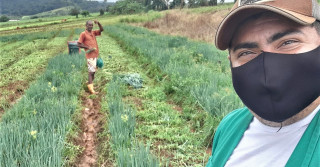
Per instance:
{"type": "Point", "coordinates": [91, 126]}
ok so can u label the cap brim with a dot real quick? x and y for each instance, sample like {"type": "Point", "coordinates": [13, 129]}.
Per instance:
{"type": "Point", "coordinates": [231, 22]}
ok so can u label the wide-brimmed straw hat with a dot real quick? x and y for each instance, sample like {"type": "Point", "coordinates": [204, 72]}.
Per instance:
{"type": "Point", "coordinates": [304, 12]}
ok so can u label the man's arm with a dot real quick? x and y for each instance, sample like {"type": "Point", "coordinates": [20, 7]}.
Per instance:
{"type": "Point", "coordinates": [100, 26]}
{"type": "Point", "coordinates": [81, 40]}
{"type": "Point", "coordinates": [81, 45]}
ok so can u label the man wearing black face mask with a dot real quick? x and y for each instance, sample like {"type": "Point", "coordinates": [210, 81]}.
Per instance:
{"type": "Point", "coordinates": [274, 52]}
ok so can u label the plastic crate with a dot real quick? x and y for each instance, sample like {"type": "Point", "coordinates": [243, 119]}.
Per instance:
{"type": "Point", "coordinates": [73, 47]}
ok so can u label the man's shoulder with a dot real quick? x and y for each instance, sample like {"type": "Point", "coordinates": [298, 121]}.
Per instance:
{"type": "Point", "coordinates": [97, 32]}
{"type": "Point", "coordinates": [236, 117]}
{"type": "Point", "coordinates": [228, 134]}
{"type": "Point", "coordinates": [83, 33]}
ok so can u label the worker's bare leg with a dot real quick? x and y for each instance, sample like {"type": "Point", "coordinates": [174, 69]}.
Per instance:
{"type": "Point", "coordinates": [90, 77]}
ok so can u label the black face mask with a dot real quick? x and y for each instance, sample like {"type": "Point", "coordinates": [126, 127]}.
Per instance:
{"type": "Point", "coordinates": [278, 86]}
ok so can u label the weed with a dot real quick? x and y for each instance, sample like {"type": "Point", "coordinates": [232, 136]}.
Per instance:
{"type": "Point", "coordinates": [156, 94]}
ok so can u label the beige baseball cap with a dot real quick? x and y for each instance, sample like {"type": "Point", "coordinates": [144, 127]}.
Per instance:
{"type": "Point", "coordinates": [304, 12]}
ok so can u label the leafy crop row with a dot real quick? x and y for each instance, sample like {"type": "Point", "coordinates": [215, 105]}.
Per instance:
{"type": "Point", "coordinates": [121, 126]}
{"type": "Point", "coordinates": [158, 120]}
{"type": "Point", "coordinates": [197, 69]}
{"type": "Point", "coordinates": [21, 61]}
{"type": "Point", "coordinates": [33, 131]}
{"type": "Point", "coordinates": [198, 72]}
{"type": "Point", "coordinates": [34, 36]}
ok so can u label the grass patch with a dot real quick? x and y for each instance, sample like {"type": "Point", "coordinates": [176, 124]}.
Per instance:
{"type": "Point", "coordinates": [208, 9]}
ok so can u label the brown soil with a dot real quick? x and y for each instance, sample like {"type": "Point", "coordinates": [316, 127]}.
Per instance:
{"type": "Point", "coordinates": [90, 126]}
{"type": "Point", "coordinates": [201, 27]}
{"type": "Point", "coordinates": [162, 153]}
{"type": "Point", "coordinates": [135, 100]}
{"type": "Point", "coordinates": [176, 107]}
{"type": "Point", "coordinates": [16, 90]}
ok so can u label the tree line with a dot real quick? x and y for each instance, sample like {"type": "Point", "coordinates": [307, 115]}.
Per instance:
{"type": "Point", "coordinates": [31, 7]}
{"type": "Point", "coordinates": [83, 7]}
{"type": "Point", "coordinates": [136, 6]}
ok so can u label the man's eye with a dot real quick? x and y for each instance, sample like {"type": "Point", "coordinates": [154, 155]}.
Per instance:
{"type": "Point", "coordinates": [245, 53]}
{"type": "Point", "coordinates": [288, 42]}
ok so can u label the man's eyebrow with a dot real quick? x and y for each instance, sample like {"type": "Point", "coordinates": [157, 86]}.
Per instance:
{"type": "Point", "coordinates": [282, 34]}
{"type": "Point", "coordinates": [245, 45]}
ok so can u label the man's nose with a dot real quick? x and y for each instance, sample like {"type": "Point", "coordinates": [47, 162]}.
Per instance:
{"type": "Point", "coordinates": [268, 48]}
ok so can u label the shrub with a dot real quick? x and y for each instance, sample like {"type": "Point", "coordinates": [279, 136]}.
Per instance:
{"type": "Point", "coordinates": [4, 18]}
{"type": "Point", "coordinates": [126, 7]}
{"type": "Point", "coordinates": [101, 12]}
{"type": "Point", "coordinates": [85, 13]}
{"type": "Point", "coordinates": [34, 17]}
{"type": "Point", "coordinates": [74, 12]}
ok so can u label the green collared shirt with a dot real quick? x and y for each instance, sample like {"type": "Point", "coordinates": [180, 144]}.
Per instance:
{"type": "Point", "coordinates": [233, 126]}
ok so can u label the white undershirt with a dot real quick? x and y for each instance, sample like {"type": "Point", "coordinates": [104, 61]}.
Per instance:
{"type": "Point", "coordinates": [263, 146]}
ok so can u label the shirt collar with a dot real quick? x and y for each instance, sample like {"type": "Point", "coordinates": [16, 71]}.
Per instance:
{"type": "Point", "coordinates": [88, 32]}
{"type": "Point", "coordinates": [297, 125]}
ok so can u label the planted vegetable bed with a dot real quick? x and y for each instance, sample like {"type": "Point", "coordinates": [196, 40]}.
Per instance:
{"type": "Point", "coordinates": [32, 132]}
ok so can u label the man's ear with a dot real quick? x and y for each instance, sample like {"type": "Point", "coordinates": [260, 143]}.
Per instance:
{"type": "Point", "coordinates": [229, 51]}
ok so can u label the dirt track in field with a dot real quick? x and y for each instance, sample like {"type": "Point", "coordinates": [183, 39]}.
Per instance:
{"type": "Point", "coordinates": [90, 126]}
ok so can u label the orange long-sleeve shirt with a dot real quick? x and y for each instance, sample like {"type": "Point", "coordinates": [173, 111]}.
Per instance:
{"type": "Point", "coordinates": [89, 39]}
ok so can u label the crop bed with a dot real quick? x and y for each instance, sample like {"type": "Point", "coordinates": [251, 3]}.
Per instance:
{"type": "Point", "coordinates": [32, 133]}
{"type": "Point", "coordinates": [23, 57]}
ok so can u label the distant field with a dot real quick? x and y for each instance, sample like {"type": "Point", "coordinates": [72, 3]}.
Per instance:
{"type": "Point", "coordinates": [56, 23]}
{"type": "Point", "coordinates": [47, 22]}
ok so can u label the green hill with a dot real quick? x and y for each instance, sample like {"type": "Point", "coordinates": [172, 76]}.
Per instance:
{"type": "Point", "coordinates": [26, 7]}
{"type": "Point", "coordinates": [56, 12]}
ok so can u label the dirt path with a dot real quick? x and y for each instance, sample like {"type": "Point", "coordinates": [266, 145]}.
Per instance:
{"type": "Point", "coordinates": [90, 126]}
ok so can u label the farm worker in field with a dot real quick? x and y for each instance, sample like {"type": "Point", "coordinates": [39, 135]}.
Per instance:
{"type": "Point", "coordinates": [88, 41]}
{"type": "Point", "coordinates": [274, 53]}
